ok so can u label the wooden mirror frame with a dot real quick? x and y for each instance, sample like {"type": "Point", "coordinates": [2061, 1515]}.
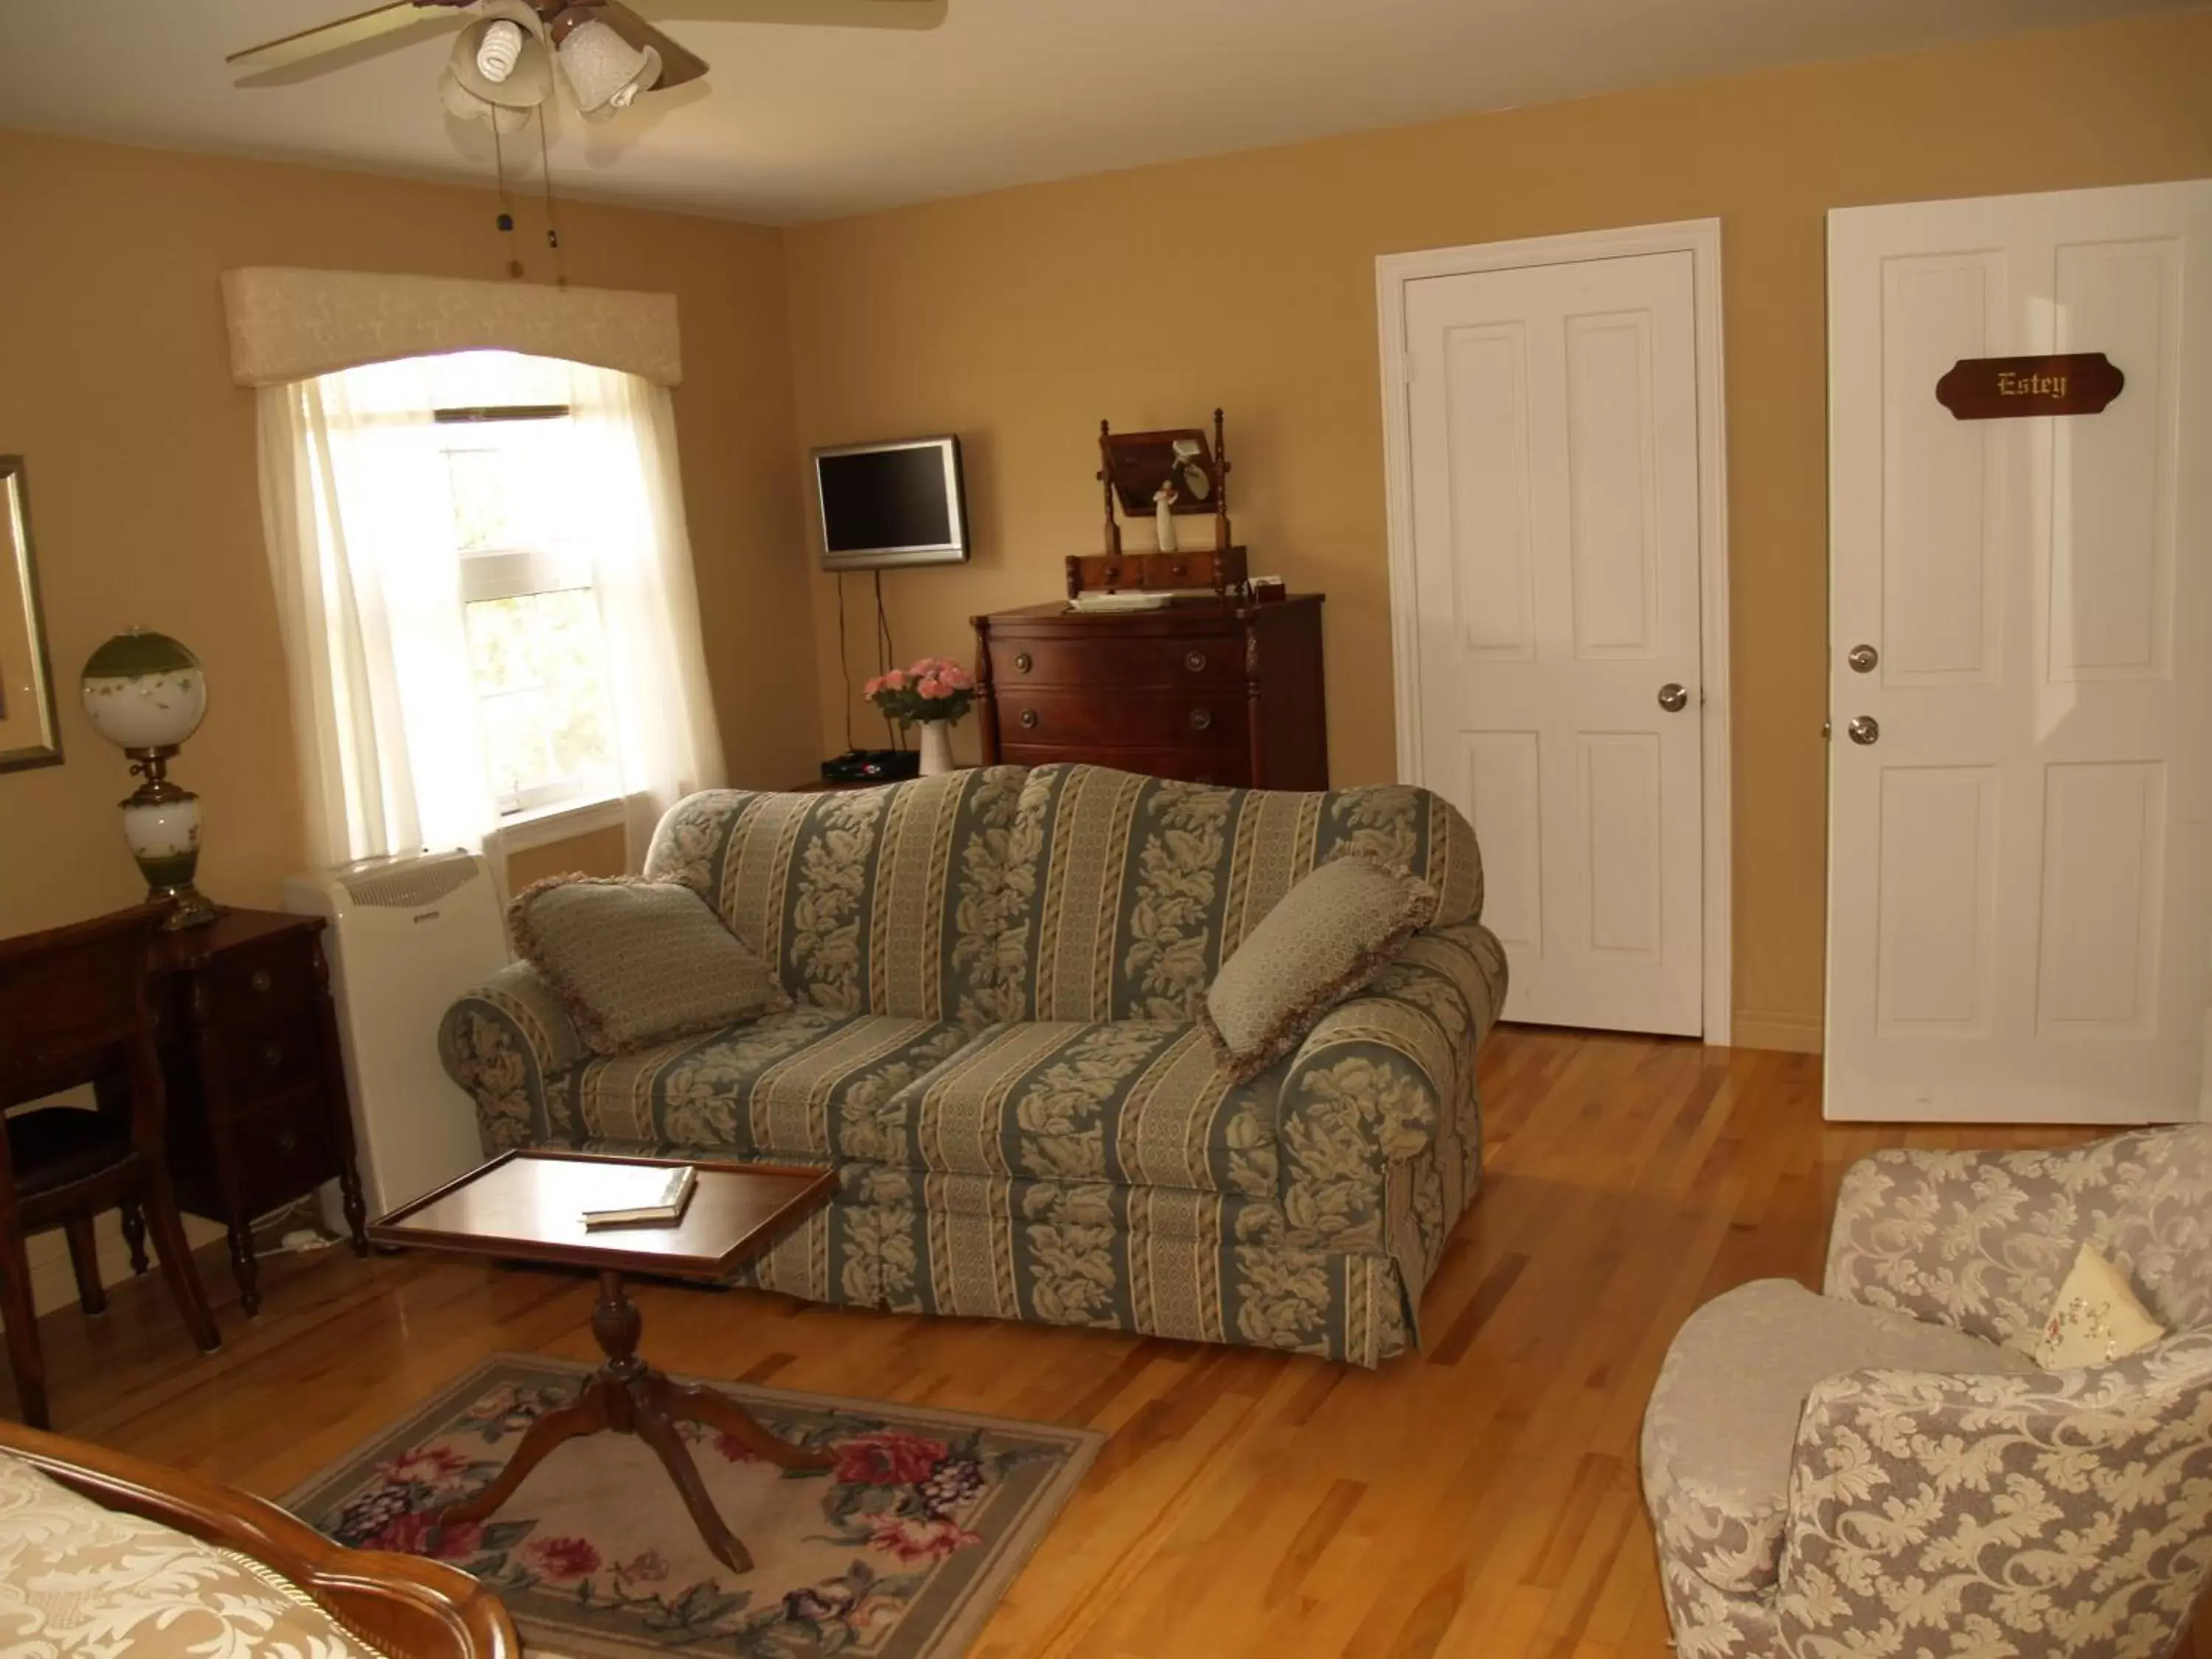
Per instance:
{"type": "Point", "coordinates": [1134, 464]}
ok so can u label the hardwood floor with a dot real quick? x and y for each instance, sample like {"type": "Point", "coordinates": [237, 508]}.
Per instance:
{"type": "Point", "coordinates": [1478, 1498]}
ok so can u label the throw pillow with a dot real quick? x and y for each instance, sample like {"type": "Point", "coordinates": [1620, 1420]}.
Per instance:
{"type": "Point", "coordinates": [637, 962]}
{"type": "Point", "coordinates": [2096, 1319]}
{"type": "Point", "coordinates": [1328, 938]}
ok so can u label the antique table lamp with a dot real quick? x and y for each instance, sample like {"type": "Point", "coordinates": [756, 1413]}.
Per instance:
{"type": "Point", "coordinates": [146, 694]}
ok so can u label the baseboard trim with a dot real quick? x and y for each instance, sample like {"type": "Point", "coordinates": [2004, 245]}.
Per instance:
{"type": "Point", "coordinates": [1796, 1034]}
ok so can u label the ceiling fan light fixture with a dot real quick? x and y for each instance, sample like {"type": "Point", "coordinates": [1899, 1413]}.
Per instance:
{"type": "Point", "coordinates": [460, 101]}
{"type": "Point", "coordinates": [604, 71]}
{"type": "Point", "coordinates": [485, 43]}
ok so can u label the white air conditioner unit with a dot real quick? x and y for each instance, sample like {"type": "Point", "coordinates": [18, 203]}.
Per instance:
{"type": "Point", "coordinates": [407, 936]}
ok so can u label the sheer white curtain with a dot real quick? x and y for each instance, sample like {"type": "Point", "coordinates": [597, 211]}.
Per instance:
{"type": "Point", "coordinates": [624, 431]}
{"type": "Point", "coordinates": [357, 515]}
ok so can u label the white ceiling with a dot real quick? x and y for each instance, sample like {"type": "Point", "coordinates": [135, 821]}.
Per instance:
{"type": "Point", "coordinates": [799, 123]}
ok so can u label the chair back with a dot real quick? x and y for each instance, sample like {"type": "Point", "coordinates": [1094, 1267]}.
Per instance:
{"type": "Point", "coordinates": [73, 1008]}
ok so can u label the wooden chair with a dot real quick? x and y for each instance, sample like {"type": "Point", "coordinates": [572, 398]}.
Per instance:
{"type": "Point", "coordinates": [73, 1009]}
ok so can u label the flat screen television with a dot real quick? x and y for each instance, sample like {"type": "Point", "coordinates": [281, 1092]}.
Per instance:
{"type": "Point", "coordinates": [891, 504]}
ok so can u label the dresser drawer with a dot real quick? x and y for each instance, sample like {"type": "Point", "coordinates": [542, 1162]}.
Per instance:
{"type": "Point", "coordinates": [1112, 662]}
{"type": "Point", "coordinates": [1148, 720]}
{"type": "Point", "coordinates": [1189, 765]}
{"type": "Point", "coordinates": [270, 1055]}
{"type": "Point", "coordinates": [274, 976]}
{"type": "Point", "coordinates": [282, 1149]}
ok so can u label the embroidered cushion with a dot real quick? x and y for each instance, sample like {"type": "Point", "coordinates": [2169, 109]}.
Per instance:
{"type": "Point", "coordinates": [636, 962]}
{"type": "Point", "coordinates": [87, 1580]}
{"type": "Point", "coordinates": [2096, 1318]}
{"type": "Point", "coordinates": [1331, 934]}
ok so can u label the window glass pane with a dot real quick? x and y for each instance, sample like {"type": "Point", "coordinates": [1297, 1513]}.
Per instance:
{"type": "Point", "coordinates": [540, 666]}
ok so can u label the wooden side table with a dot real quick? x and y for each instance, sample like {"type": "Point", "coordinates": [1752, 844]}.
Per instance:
{"type": "Point", "coordinates": [529, 1205]}
{"type": "Point", "coordinates": [257, 1107]}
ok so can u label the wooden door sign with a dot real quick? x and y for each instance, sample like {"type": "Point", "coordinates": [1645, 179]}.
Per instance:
{"type": "Point", "coordinates": [2010, 388]}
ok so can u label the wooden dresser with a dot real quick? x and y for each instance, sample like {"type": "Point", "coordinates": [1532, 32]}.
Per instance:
{"type": "Point", "coordinates": [258, 1108]}
{"type": "Point", "coordinates": [1216, 691]}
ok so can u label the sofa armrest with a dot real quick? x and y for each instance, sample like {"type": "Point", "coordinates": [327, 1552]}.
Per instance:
{"type": "Point", "coordinates": [1978, 1241]}
{"type": "Point", "coordinates": [506, 1043]}
{"type": "Point", "coordinates": [1382, 1076]}
{"type": "Point", "coordinates": [2026, 1508]}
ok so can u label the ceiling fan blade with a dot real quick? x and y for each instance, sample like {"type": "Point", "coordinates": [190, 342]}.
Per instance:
{"type": "Point", "coordinates": [678, 63]}
{"type": "Point", "coordinates": [334, 36]}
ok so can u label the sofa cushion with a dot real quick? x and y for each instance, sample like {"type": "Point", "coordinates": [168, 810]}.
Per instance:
{"type": "Point", "coordinates": [1128, 893]}
{"type": "Point", "coordinates": [1721, 1427]}
{"type": "Point", "coordinates": [82, 1579]}
{"type": "Point", "coordinates": [809, 1083]}
{"type": "Point", "coordinates": [1139, 1103]}
{"type": "Point", "coordinates": [887, 901]}
{"type": "Point", "coordinates": [1330, 936]}
{"type": "Point", "coordinates": [637, 961]}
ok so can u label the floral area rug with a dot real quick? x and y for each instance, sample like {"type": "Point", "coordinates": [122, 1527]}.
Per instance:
{"type": "Point", "coordinates": [899, 1552]}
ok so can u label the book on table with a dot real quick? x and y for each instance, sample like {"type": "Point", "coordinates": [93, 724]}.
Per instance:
{"type": "Point", "coordinates": [641, 1196]}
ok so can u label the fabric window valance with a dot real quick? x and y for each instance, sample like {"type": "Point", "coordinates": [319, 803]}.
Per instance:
{"type": "Point", "coordinates": [292, 324]}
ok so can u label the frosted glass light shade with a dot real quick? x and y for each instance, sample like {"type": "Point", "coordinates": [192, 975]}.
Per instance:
{"type": "Point", "coordinates": [604, 71]}
{"type": "Point", "coordinates": [144, 690]}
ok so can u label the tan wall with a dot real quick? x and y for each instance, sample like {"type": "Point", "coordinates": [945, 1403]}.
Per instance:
{"type": "Point", "coordinates": [1019, 319]}
{"type": "Point", "coordinates": [115, 385]}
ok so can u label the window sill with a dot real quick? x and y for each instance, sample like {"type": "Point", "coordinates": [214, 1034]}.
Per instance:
{"type": "Point", "coordinates": [544, 825]}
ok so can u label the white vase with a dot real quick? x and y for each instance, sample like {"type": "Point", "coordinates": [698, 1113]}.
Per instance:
{"type": "Point", "coordinates": [936, 748]}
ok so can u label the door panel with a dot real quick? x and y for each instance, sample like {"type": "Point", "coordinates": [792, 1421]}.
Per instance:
{"type": "Point", "coordinates": [2020, 913]}
{"type": "Point", "coordinates": [1554, 442]}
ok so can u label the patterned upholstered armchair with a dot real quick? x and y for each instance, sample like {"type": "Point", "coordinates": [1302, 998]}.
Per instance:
{"type": "Point", "coordinates": [1881, 1469]}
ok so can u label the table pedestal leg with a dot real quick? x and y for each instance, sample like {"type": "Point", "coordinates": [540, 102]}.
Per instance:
{"type": "Point", "coordinates": [630, 1397]}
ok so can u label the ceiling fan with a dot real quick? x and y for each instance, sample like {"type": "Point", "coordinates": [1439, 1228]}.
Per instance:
{"type": "Point", "coordinates": [503, 63]}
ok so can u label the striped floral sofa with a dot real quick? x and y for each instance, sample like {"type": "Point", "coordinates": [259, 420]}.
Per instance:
{"type": "Point", "coordinates": [994, 974]}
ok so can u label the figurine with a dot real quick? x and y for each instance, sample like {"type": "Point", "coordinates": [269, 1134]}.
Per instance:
{"type": "Point", "coordinates": [1164, 500]}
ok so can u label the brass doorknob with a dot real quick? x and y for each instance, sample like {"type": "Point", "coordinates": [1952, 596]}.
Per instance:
{"type": "Point", "coordinates": [1673, 698]}
{"type": "Point", "coordinates": [1864, 729]}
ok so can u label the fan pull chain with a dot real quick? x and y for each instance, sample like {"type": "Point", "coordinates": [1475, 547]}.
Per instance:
{"type": "Point", "coordinates": [506, 220]}
{"type": "Point", "coordinates": [552, 222]}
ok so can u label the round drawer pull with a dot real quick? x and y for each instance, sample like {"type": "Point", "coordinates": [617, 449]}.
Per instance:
{"type": "Point", "coordinates": [271, 1055]}
{"type": "Point", "coordinates": [1028, 719]}
{"type": "Point", "coordinates": [1201, 719]}
{"type": "Point", "coordinates": [261, 982]}
{"type": "Point", "coordinates": [1195, 662]}
{"type": "Point", "coordinates": [1023, 662]}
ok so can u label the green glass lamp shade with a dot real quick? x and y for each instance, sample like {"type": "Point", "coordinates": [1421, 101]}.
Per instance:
{"type": "Point", "coordinates": [146, 694]}
{"type": "Point", "coordinates": [144, 691]}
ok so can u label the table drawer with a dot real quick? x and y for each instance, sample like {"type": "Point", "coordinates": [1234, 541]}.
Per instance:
{"type": "Point", "coordinates": [273, 976]}
{"type": "Point", "coordinates": [1190, 765]}
{"type": "Point", "coordinates": [1152, 720]}
{"type": "Point", "coordinates": [1110, 663]}
{"type": "Point", "coordinates": [283, 1150]}
{"type": "Point", "coordinates": [270, 1055]}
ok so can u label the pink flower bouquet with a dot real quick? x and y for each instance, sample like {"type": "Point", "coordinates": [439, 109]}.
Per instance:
{"type": "Point", "coordinates": [934, 688]}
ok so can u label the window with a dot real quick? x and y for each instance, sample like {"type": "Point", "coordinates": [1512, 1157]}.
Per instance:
{"type": "Point", "coordinates": [485, 584]}
{"type": "Point", "coordinates": [536, 650]}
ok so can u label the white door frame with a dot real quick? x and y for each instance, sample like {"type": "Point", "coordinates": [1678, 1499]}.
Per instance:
{"type": "Point", "coordinates": [1701, 239]}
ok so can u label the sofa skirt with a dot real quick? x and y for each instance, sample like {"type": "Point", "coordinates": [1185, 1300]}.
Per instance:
{"type": "Point", "coordinates": [1157, 1260]}
{"type": "Point", "coordinates": [1162, 1262]}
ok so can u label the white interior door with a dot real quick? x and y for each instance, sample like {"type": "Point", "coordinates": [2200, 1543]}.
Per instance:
{"type": "Point", "coordinates": [2018, 902]}
{"type": "Point", "coordinates": [1553, 428]}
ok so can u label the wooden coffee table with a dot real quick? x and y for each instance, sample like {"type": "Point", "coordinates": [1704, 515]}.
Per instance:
{"type": "Point", "coordinates": [528, 1207]}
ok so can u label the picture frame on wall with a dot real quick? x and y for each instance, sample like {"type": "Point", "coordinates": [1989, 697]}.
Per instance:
{"type": "Point", "coordinates": [30, 735]}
